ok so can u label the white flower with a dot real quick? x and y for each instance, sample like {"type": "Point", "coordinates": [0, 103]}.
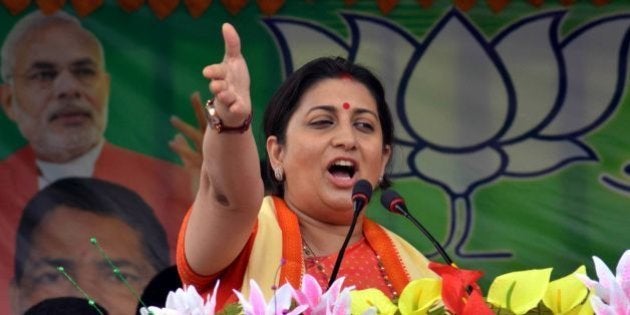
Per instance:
{"type": "Point", "coordinates": [185, 302]}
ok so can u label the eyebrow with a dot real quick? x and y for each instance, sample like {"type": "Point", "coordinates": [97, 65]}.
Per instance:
{"type": "Point", "coordinates": [45, 65]}
{"type": "Point", "coordinates": [41, 65]}
{"type": "Point", "coordinates": [333, 109]}
{"type": "Point", "coordinates": [84, 62]}
{"type": "Point", "coordinates": [70, 264]}
{"type": "Point", "coordinates": [119, 263]}
{"type": "Point", "coordinates": [124, 265]}
{"type": "Point", "coordinates": [53, 262]}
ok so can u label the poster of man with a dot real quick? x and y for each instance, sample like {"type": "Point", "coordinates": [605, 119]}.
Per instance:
{"type": "Point", "coordinates": [56, 90]}
{"type": "Point", "coordinates": [61, 226]}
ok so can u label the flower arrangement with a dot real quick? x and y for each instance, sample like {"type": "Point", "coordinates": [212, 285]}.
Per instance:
{"type": "Point", "coordinates": [455, 292]}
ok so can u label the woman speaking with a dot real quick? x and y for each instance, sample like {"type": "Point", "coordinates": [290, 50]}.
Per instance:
{"type": "Point", "coordinates": [327, 127]}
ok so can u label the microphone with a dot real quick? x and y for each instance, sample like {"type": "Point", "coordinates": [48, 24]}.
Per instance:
{"type": "Point", "coordinates": [393, 202]}
{"type": "Point", "coordinates": [361, 194]}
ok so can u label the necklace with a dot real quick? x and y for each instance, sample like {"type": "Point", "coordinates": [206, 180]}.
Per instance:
{"type": "Point", "coordinates": [310, 254]}
{"type": "Point", "coordinates": [313, 258]}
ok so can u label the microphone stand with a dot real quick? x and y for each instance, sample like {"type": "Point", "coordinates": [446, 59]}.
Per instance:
{"type": "Point", "coordinates": [361, 193]}
{"type": "Point", "coordinates": [426, 233]}
{"type": "Point", "coordinates": [333, 275]}
{"type": "Point", "coordinates": [390, 199]}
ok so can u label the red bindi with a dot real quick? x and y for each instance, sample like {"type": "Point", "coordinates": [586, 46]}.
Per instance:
{"type": "Point", "coordinates": [346, 105]}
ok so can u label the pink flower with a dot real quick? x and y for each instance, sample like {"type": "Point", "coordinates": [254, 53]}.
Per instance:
{"type": "Point", "coordinates": [335, 301]}
{"type": "Point", "coordinates": [280, 303]}
{"type": "Point", "coordinates": [611, 292]}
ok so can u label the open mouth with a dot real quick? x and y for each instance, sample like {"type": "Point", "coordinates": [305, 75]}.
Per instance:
{"type": "Point", "coordinates": [342, 168]}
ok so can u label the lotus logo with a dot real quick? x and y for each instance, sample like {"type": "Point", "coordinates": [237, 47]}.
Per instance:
{"type": "Point", "coordinates": [470, 109]}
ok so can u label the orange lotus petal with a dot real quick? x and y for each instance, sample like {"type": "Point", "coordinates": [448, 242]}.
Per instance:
{"type": "Point", "coordinates": [537, 3]}
{"type": "Point", "coordinates": [50, 6]}
{"type": "Point", "coordinates": [465, 5]}
{"type": "Point", "coordinates": [85, 7]}
{"type": "Point", "coordinates": [197, 7]}
{"type": "Point", "coordinates": [130, 5]}
{"type": "Point", "coordinates": [163, 8]}
{"type": "Point", "coordinates": [425, 4]}
{"type": "Point", "coordinates": [16, 6]}
{"type": "Point", "coordinates": [497, 5]}
{"type": "Point", "coordinates": [269, 7]}
{"type": "Point", "coordinates": [386, 6]}
{"type": "Point", "coordinates": [234, 6]}
{"type": "Point", "coordinates": [601, 2]}
{"type": "Point", "coordinates": [567, 2]}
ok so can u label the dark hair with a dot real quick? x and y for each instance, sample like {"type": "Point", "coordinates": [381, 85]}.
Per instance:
{"type": "Point", "coordinates": [284, 102]}
{"type": "Point", "coordinates": [65, 305]}
{"type": "Point", "coordinates": [98, 197]}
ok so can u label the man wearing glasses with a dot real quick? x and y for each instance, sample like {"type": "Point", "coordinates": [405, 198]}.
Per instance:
{"type": "Point", "coordinates": [56, 89]}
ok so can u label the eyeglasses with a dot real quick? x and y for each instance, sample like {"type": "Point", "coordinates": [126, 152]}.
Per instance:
{"type": "Point", "coordinates": [44, 75]}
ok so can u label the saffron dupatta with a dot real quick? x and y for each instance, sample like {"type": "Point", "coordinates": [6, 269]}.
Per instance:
{"type": "Point", "coordinates": [277, 237]}
{"type": "Point", "coordinates": [401, 260]}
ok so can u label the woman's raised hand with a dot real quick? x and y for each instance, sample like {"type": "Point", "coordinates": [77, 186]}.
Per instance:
{"type": "Point", "coordinates": [230, 186]}
{"type": "Point", "coordinates": [230, 81]}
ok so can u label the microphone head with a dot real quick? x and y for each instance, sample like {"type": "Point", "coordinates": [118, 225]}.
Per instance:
{"type": "Point", "coordinates": [393, 202]}
{"type": "Point", "coordinates": [362, 190]}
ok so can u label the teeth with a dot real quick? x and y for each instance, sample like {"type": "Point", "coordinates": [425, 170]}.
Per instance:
{"type": "Point", "coordinates": [343, 163]}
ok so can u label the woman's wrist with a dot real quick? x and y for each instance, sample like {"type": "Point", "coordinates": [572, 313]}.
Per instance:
{"type": "Point", "coordinates": [216, 123]}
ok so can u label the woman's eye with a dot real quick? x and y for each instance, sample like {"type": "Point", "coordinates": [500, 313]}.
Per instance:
{"type": "Point", "coordinates": [321, 123]}
{"type": "Point", "coordinates": [365, 126]}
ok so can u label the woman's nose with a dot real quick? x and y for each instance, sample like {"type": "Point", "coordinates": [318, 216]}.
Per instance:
{"type": "Point", "coordinates": [345, 137]}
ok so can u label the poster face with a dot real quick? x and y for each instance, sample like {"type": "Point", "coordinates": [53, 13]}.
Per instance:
{"type": "Point", "coordinates": [511, 127]}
